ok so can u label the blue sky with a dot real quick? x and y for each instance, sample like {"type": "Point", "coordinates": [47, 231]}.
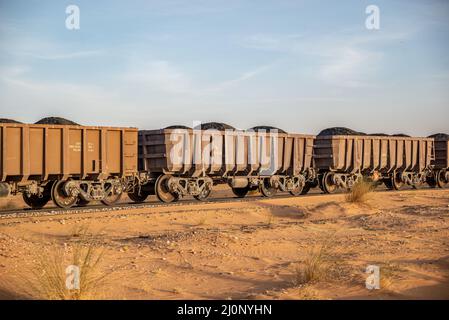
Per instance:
{"type": "Point", "coordinates": [298, 65]}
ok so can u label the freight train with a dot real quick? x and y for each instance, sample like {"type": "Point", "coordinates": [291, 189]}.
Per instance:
{"type": "Point", "coordinates": [74, 165]}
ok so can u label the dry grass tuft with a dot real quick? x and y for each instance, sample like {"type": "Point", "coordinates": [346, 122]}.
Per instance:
{"type": "Point", "coordinates": [269, 220]}
{"type": "Point", "coordinates": [314, 267]}
{"type": "Point", "coordinates": [47, 277]}
{"type": "Point", "coordinates": [360, 191]}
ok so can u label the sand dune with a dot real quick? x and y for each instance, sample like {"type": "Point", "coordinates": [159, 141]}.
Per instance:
{"type": "Point", "coordinates": [250, 250]}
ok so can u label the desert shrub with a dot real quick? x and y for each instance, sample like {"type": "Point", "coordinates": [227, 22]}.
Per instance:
{"type": "Point", "coordinates": [314, 267]}
{"type": "Point", "coordinates": [360, 191]}
{"type": "Point", "coordinates": [47, 277]}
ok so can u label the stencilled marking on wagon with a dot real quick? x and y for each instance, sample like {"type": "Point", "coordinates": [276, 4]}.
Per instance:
{"type": "Point", "coordinates": [75, 147]}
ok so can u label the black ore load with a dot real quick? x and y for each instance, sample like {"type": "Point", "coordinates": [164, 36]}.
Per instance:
{"type": "Point", "coordinates": [177, 127]}
{"type": "Point", "coordinates": [216, 126]}
{"type": "Point", "coordinates": [57, 121]}
{"type": "Point", "coordinates": [340, 131]}
{"type": "Point", "coordinates": [267, 129]}
{"type": "Point", "coordinates": [440, 136]}
{"type": "Point", "coordinates": [400, 135]}
{"type": "Point", "coordinates": [4, 120]}
{"type": "Point", "coordinates": [379, 134]}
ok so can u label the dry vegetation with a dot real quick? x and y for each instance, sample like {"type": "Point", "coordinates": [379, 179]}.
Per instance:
{"type": "Point", "coordinates": [315, 265]}
{"type": "Point", "coordinates": [360, 191]}
{"type": "Point", "coordinates": [46, 277]}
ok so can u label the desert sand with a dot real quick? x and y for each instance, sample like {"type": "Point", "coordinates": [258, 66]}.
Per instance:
{"type": "Point", "coordinates": [257, 249]}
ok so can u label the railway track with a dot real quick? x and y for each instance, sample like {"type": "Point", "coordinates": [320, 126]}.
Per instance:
{"type": "Point", "coordinates": [55, 211]}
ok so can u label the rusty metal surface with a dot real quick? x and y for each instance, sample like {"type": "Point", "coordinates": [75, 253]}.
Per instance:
{"type": "Point", "coordinates": [181, 151]}
{"type": "Point", "coordinates": [373, 153]}
{"type": "Point", "coordinates": [61, 151]}
{"type": "Point", "coordinates": [223, 153]}
{"type": "Point", "coordinates": [441, 153]}
{"type": "Point", "coordinates": [266, 153]}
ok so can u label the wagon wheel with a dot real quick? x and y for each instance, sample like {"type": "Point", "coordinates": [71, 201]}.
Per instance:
{"type": "Point", "coordinates": [36, 202]}
{"type": "Point", "coordinates": [59, 196]}
{"type": "Point", "coordinates": [432, 179]}
{"type": "Point", "coordinates": [113, 195]}
{"type": "Point", "coordinates": [388, 184]}
{"type": "Point", "coordinates": [267, 189]}
{"type": "Point", "coordinates": [306, 188]}
{"type": "Point", "coordinates": [81, 202]}
{"type": "Point", "coordinates": [440, 179]}
{"type": "Point", "coordinates": [240, 192]}
{"type": "Point", "coordinates": [162, 190]}
{"type": "Point", "coordinates": [138, 197]}
{"type": "Point", "coordinates": [204, 194]}
{"type": "Point", "coordinates": [327, 183]}
{"type": "Point", "coordinates": [298, 190]}
{"type": "Point", "coordinates": [393, 182]}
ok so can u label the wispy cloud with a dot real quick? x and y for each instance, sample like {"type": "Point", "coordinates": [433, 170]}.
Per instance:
{"type": "Point", "coordinates": [345, 60]}
{"type": "Point", "coordinates": [349, 67]}
{"type": "Point", "coordinates": [247, 75]}
{"type": "Point", "coordinates": [287, 43]}
{"type": "Point", "coordinates": [164, 76]}
{"type": "Point", "coordinates": [62, 55]}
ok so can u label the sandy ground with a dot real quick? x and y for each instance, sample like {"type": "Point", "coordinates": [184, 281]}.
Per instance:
{"type": "Point", "coordinates": [248, 250]}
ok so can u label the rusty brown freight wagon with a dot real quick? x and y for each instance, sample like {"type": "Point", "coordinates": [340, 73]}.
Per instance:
{"type": "Point", "coordinates": [68, 164]}
{"type": "Point", "coordinates": [186, 162]}
{"type": "Point", "coordinates": [343, 159]}
{"type": "Point", "coordinates": [268, 160]}
{"type": "Point", "coordinates": [440, 165]}
{"type": "Point", "coordinates": [180, 162]}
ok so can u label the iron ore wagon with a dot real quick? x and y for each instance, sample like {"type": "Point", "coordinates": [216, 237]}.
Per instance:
{"type": "Point", "coordinates": [268, 159]}
{"type": "Point", "coordinates": [341, 160]}
{"type": "Point", "coordinates": [182, 161]}
{"type": "Point", "coordinates": [179, 161]}
{"type": "Point", "coordinates": [69, 164]}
